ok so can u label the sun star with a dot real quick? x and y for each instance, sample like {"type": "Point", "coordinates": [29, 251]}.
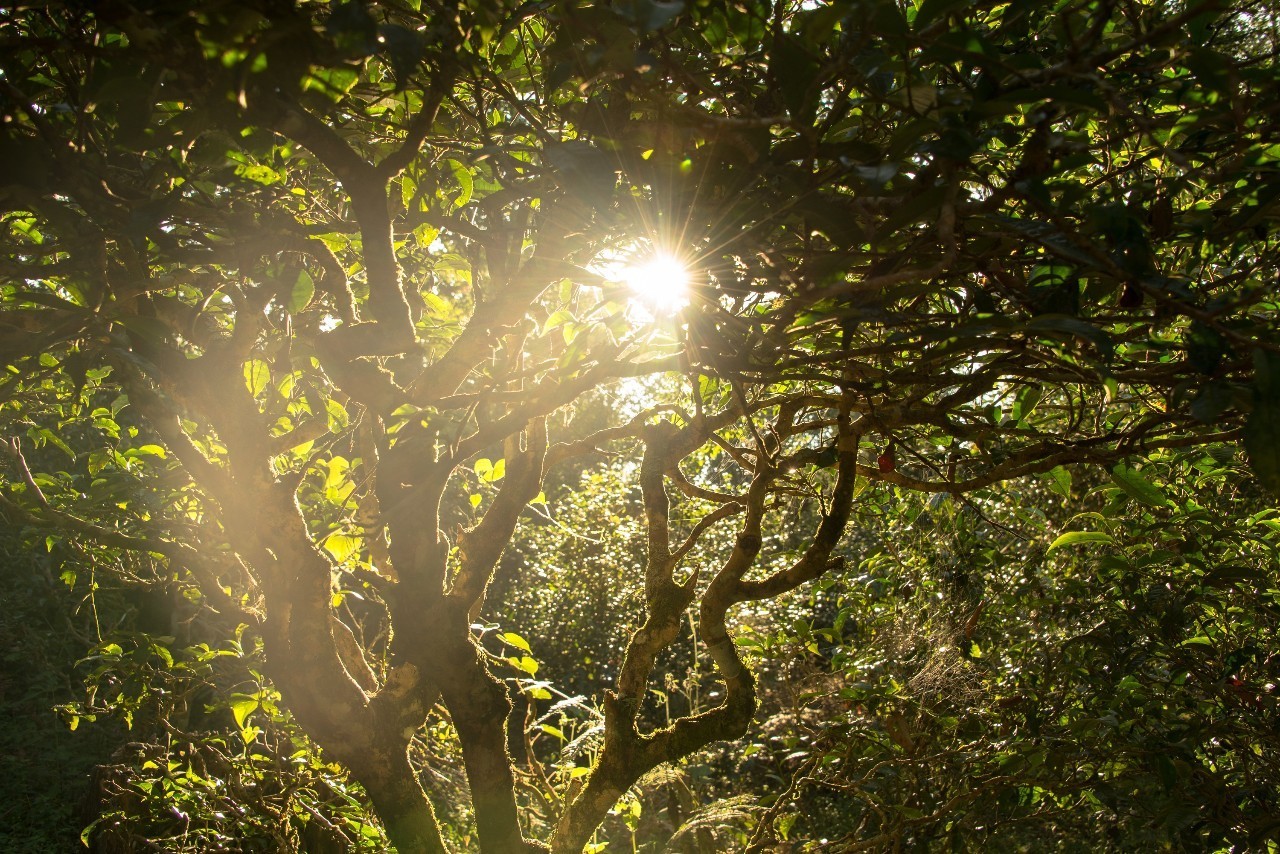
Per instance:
{"type": "Point", "coordinates": [660, 283]}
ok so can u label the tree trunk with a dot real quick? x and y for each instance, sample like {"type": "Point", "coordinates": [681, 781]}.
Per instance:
{"type": "Point", "coordinates": [405, 811]}
{"type": "Point", "coordinates": [479, 706]}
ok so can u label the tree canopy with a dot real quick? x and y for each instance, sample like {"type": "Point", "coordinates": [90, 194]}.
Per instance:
{"type": "Point", "coordinates": [311, 311]}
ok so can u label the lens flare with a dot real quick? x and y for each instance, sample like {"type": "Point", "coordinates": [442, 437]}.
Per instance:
{"type": "Point", "coordinates": [659, 283]}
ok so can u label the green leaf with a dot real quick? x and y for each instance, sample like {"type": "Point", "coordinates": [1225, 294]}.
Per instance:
{"type": "Point", "coordinates": [558, 318]}
{"type": "Point", "coordinates": [1026, 402]}
{"type": "Point", "coordinates": [489, 471]}
{"type": "Point", "coordinates": [257, 376]}
{"type": "Point", "coordinates": [426, 235]}
{"type": "Point", "coordinates": [342, 546]}
{"type": "Point", "coordinates": [86, 835]}
{"type": "Point", "coordinates": [1059, 481]}
{"type": "Point", "coordinates": [525, 663]}
{"type": "Point", "coordinates": [47, 435]}
{"type": "Point", "coordinates": [513, 639]}
{"type": "Point", "coordinates": [795, 69]}
{"type": "Point", "coordinates": [462, 175]}
{"type": "Point", "coordinates": [243, 705]}
{"type": "Point", "coordinates": [259, 174]}
{"type": "Point", "coordinates": [337, 415]}
{"type": "Point", "coordinates": [303, 290]}
{"type": "Point", "coordinates": [1073, 538]}
{"type": "Point", "coordinates": [1138, 486]}
{"type": "Point", "coordinates": [1262, 443]}
{"type": "Point", "coordinates": [338, 467]}
{"type": "Point", "coordinates": [333, 82]}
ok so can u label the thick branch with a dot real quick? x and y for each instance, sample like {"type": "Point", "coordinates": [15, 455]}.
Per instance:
{"type": "Point", "coordinates": [816, 559]}
{"type": "Point", "coordinates": [480, 548]}
{"type": "Point", "coordinates": [416, 133]}
{"type": "Point", "coordinates": [507, 307]}
{"type": "Point", "coordinates": [367, 186]}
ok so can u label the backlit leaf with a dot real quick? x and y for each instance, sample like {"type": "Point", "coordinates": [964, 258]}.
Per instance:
{"type": "Point", "coordinates": [1074, 538]}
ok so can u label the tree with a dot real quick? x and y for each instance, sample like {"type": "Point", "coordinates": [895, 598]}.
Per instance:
{"type": "Point", "coordinates": [317, 285]}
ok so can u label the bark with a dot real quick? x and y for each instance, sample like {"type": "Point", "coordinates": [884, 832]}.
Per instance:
{"type": "Point", "coordinates": [399, 801]}
{"type": "Point", "coordinates": [323, 676]}
{"type": "Point", "coordinates": [479, 706]}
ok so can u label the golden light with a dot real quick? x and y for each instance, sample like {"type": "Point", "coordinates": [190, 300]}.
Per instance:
{"type": "Point", "coordinates": [659, 283]}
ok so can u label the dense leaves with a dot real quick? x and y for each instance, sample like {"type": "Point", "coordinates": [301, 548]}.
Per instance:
{"type": "Point", "coordinates": [1105, 694]}
{"type": "Point", "coordinates": [310, 309]}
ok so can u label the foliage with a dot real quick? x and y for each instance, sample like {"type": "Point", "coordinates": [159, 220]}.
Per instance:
{"type": "Point", "coordinates": [44, 769]}
{"type": "Point", "coordinates": [209, 768]}
{"type": "Point", "coordinates": [996, 692]}
{"type": "Point", "coordinates": [299, 302]}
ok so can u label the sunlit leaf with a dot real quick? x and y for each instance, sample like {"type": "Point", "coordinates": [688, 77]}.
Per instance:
{"type": "Point", "coordinates": [243, 705]}
{"type": "Point", "coordinates": [257, 376]}
{"type": "Point", "coordinates": [300, 295]}
{"type": "Point", "coordinates": [1073, 538]}
{"type": "Point", "coordinates": [342, 546]}
{"type": "Point", "coordinates": [515, 640]}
